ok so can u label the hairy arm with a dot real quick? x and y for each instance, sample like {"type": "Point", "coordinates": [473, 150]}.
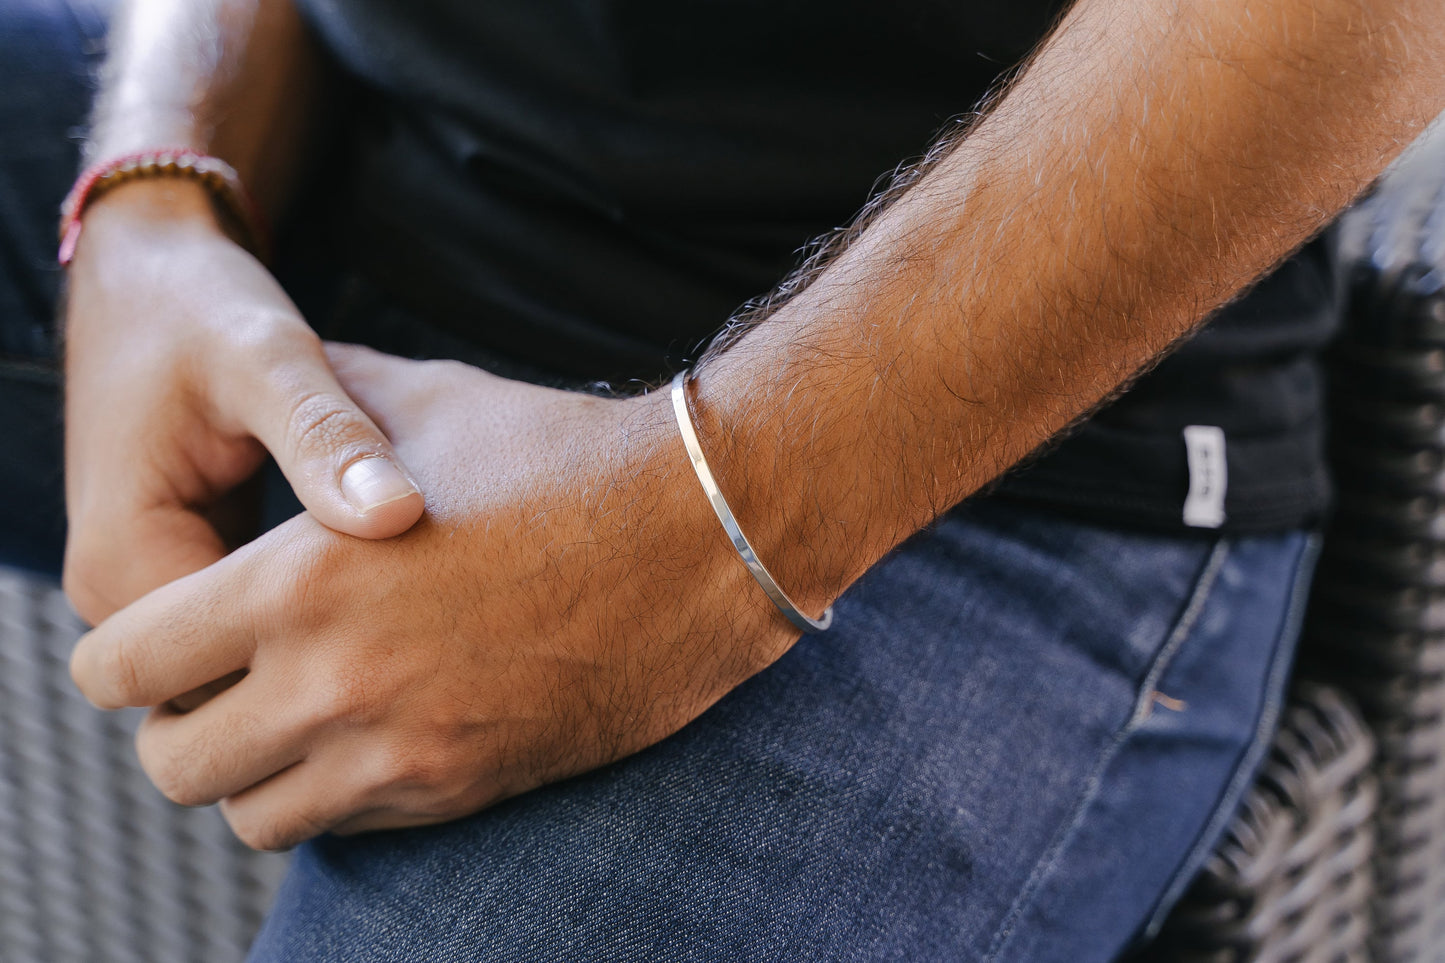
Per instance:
{"type": "Point", "coordinates": [1150, 161]}
{"type": "Point", "coordinates": [568, 597]}
{"type": "Point", "coordinates": [239, 79]}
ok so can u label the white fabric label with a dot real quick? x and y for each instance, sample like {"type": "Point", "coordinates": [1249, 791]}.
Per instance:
{"type": "Point", "coordinates": [1208, 476]}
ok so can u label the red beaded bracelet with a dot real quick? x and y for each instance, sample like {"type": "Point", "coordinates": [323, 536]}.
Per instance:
{"type": "Point", "coordinates": [218, 178]}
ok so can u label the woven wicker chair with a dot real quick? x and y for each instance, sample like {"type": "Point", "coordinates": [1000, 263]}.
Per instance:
{"type": "Point", "coordinates": [1289, 882]}
{"type": "Point", "coordinates": [1378, 622]}
{"type": "Point", "coordinates": [1337, 854]}
{"type": "Point", "coordinates": [1299, 872]}
{"type": "Point", "coordinates": [95, 866]}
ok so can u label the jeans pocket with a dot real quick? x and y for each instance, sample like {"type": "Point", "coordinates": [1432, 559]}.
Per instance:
{"type": "Point", "coordinates": [1271, 701]}
{"type": "Point", "coordinates": [1165, 786]}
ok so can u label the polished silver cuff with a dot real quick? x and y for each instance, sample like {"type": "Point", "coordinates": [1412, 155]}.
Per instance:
{"type": "Point", "coordinates": [729, 523]}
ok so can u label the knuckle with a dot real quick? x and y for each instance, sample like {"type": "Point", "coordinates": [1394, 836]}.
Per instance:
{"type": "Point", "coordinates": [173, 781]}
{"type": "Point", "coordinates": [259, 835]}
{"type": "Point", "coordinates": [87, 603]}
{"type": "Point", "coordinates": [324, 422]}
{"type": "Point", "coordinates": [412, 766]}
{"type": "Point", "coordinates": [341, 698]}
{"type": "Point", "coordinates": [177, 774]}
{"type": "Point", "coordinates": [81, 574]}
{"type": "Point", "coordinates": [182, 793]}
{"type": "Point", "coordinates": [359, 686]}
{"type": "Point", "coordinates": [267, 832]}
{"type": "Point", "coordinates": [271, 337]}
{"type": "Point", "coordinates": [448, 801]}
{"type": "Point", "coordinates": [115, 679]}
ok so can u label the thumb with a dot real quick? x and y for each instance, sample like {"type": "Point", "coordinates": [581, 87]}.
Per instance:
{"type": "Point", "coordinates": [337, 460]}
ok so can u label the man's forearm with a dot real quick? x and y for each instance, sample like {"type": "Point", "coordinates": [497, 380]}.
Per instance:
{"type": "Point", "coordinates": [234, 78]}
{"type": "Point", "coordinates": [1152, 161]}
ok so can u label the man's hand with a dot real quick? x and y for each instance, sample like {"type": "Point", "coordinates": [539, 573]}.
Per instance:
{"type": "Point", "coordinates": [567, 600]}
{"type": "Point", "coordinates": [570, 599]}
{"type": "Point", "coordinates": [185, 364]}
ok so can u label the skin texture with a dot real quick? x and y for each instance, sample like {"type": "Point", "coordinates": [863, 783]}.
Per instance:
{"type": "Point", "coordinates": [185, 361]}
{"type": "Point", "coordinates": [383, 721]}
{"type": "Point", "coordinates": [568, 598]}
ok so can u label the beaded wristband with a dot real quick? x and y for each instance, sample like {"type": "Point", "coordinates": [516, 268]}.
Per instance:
{"type": "Point", "coordinates": [729, 523]}
{"type": "Point", "coordinates": [218, 178]}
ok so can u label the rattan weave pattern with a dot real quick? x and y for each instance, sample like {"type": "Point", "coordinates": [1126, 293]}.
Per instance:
{"type": "Point", "coordinates": [1377, 618]}
{"type": "Point", "coordinates": [96, 866]}
{"type": "Point", "coordinates": [1290, 882]}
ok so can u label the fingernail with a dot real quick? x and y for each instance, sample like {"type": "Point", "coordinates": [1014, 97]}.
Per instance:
{"type": "Point", "coordinates": [373, 482]}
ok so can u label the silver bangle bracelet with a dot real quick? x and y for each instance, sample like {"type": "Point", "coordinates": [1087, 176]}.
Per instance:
{"type": "Point", "coordinates": [729, 523]}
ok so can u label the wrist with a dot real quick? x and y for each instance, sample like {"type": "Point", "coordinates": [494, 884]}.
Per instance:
{"type": "Point", "coordinates": [150, 212]}
{"type": "Point", "coordinates": [771, 496]}
{"type": "Point", "coordinates": [230, 201]}
{"type": "Point", "coordinates": [678, 531]}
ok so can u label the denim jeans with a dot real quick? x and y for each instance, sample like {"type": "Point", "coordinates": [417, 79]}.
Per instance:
{"type": "Point", "coordinates": [1018, 742]}
{"type": "Point", "coordinates": [48, 51]}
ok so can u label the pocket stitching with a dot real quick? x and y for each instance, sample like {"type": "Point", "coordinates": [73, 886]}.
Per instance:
{"type": "Point", "coordinates": [1199, 597]}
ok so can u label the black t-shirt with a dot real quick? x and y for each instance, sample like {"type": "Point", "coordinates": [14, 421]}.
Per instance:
{"type": "Point", "coordinates": [594, 186]}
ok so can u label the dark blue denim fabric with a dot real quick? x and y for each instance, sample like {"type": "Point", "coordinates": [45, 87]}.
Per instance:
{"type": "Point", "coordinates": [48, 49]}
{"type": "Point", "coordinates": [972, 765]}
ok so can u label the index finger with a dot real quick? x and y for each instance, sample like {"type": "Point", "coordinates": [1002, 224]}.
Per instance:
{"type": "Point", "coordinates": [175, 639]}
